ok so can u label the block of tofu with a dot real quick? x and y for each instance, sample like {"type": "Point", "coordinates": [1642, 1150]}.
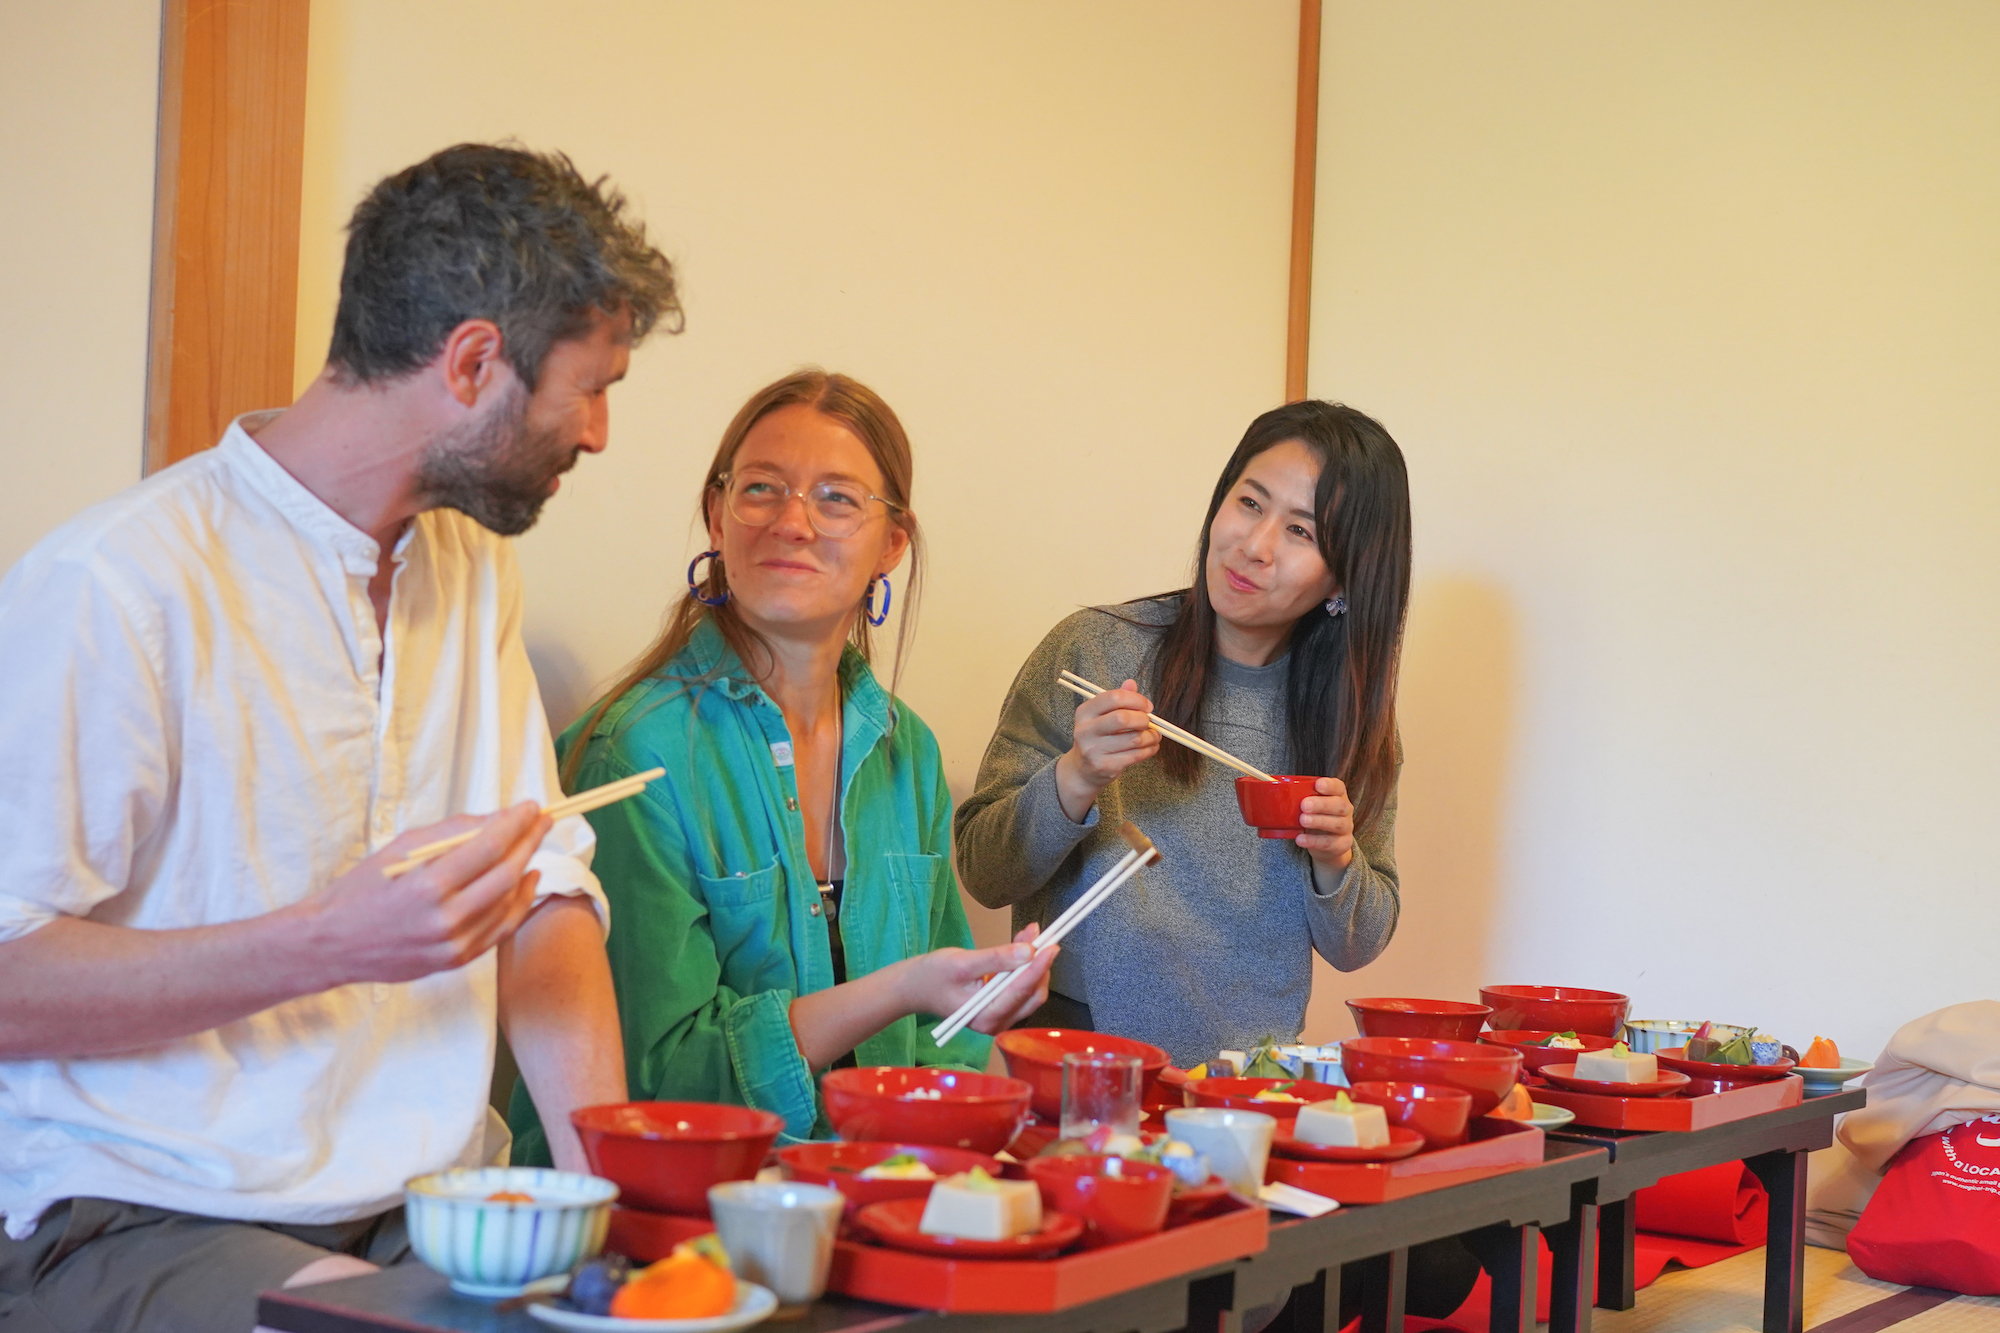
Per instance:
{"type": "Point", "coordinates": [1620, 1064]}
{"type": "Point", "coordinates": [975, 1206]}
{"type": "Point", "coordinates": [1342, 1123]}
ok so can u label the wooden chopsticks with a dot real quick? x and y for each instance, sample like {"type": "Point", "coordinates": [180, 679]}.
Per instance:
{"type": "Point", "coordinates": [1078, 685]}
{"type": "Point", "coordinates": [581, 803]}
{"type": "Point", "coordinates": [1143, 853]}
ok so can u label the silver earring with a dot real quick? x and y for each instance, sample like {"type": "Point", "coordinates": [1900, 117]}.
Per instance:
{"type": "Point", "coordinates": [1336, 605]}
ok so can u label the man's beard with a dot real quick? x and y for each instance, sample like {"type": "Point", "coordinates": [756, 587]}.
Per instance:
{"type": "Point", "coordinates": [494, 470]}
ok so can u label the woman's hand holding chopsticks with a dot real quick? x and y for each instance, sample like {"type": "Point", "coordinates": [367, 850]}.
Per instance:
{"type": "Point", "coordinates": [959, 974]}
{"type": "Point", "coordinates": [1111, 733]}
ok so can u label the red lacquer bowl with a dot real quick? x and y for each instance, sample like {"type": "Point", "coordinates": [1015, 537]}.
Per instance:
{"type": "Point", "coordinates": [1035, 1056]}
{"type": "Point", "coordinates": [1440, 1020]}
{"type": "Point", "coordinates": [838, 1166]}
{"type": "Point", "coordinates": [1116, 1208]}
{"type": "Point", "coordinates": [1675, 1057]}
{"type": "Point", "coordinates": [1487, 1072]}
{"type": "Point", "coordinates": [1272, 808]}
{"type": "Point", "coordinates": [887, 1104]}
{"type": "Point", "coordinates": [1194, 1201]}
{"type": "Point", "coordinates": [1535, 1056]}
{"type": "Point", "coordinates": [1557, 1009]}
{"type": "Point", "coordinates": [1439, 1113]}
{"type": "Point", "coordinates": [663, 1156]}
{"type": "Point", "coordinates": [1240, 1094]}
{"type": "Point", "coordinates": [1665, 1083]}
{"type": "Point", "coordinates": [895, 1223]}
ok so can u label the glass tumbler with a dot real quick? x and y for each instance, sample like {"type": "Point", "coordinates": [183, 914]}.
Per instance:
{"type": "Point", "coordinates": [1100, 1088]}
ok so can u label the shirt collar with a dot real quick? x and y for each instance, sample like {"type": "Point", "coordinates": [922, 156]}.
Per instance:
{"type": "Point", "coordinates": [357, 552]}
{"type": "Point", "coordinates": [867, 708]}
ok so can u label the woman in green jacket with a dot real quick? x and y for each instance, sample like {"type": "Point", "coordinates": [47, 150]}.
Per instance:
{"type": "Point", "coordinates": [783, 899]}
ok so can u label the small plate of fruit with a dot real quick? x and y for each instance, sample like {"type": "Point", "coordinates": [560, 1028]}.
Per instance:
{"type": "Point", "coordinates": [692, 1290]}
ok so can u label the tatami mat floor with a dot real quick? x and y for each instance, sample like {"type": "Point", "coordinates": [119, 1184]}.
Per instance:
{"type": "Point", "coordinates": [1729, 1298]}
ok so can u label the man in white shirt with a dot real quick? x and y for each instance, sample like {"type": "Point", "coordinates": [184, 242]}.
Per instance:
{"type": "Point", "coordinates": [233, 695]}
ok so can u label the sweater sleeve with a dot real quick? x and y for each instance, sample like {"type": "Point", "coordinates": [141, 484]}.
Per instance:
{"type": "Point", "coordinates": [1011, 834]}
{"type": "Point", "coordinates": [1353, 923]}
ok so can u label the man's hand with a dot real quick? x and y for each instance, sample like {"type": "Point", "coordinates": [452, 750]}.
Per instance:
{"type": "Point", "coordinates": [433, 918]}
{"type": "Point", "coordinates": [76, 988]}
{"type": "Point", "coordinates": [1112, 732]}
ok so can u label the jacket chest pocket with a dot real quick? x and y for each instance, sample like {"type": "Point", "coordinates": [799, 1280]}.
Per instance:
{"type": "Point", "coordinates": [913, 882]}
{"type": "Point", "coordinates": [746, 921]}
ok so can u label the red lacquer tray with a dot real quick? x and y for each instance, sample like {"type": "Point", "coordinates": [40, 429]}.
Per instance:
{"type": "Point", "coordinates": [1705, 1102]}
{"type": "Point", "coordinates": [648, 1237]}
{"type": "Point", "coordinates": [1002, 1286]}
{"type": "Point", "coordinates": [1497, 1146]}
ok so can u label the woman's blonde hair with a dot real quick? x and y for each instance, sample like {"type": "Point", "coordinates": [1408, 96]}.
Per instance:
{"type": "Point", "coordinates": [861, 410]}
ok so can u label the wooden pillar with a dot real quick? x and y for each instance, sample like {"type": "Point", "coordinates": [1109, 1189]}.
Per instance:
{"type": "Point", "coordinates": [225, 218]}
{"type": "Point", "coordinates": [1305, 165]}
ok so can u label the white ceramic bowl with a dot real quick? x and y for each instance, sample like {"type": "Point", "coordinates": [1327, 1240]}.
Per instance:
{"type": "Point", "coordinates": [1647, 1035]}
{"type": "Point", "coordinates": [496, 1249]}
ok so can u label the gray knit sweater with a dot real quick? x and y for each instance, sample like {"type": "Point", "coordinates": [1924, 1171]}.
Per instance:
{"type": "Point", "coordinates": [1211, 949]}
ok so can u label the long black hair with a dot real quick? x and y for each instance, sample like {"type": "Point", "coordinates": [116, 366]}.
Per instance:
{"type": "Point", "coordinates": [1340, 704]}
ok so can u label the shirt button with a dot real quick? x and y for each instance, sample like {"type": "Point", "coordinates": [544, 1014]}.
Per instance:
{"type": "Point", "coordinates": [814, 909]}
{"type": "Point", "coordinates": [791, 803]}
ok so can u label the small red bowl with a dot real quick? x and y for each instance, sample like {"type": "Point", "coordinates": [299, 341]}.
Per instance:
{"type": "Point", "coordinates": [1489, 1073]}
{"type": "Point", "coordinates": [888, 1104]}
{"type": "Point", "coordinates": [1194, 1201]}
{"type": "Point", "coordinates": [1535, 1056]}
{"type": "Point", "coordinates": [1439, 1113]}
{"type": "Point", "coordinates": [1240, 1094]}
{"type": "Point", "coordinates": [1035, 1056]}
{"type": "Point", "coordinates": [663, 1156]}
{"type": "Point", "coordinates": [1440, 1020]}
{"type": "Point", "coordinates": [1272, 808]}
{"type": "Point", "coordinates": [839, 1166]}
{"type": "Point", "coordinates": [1117, 1208]}
{"type": "Point", "coordinates": [1557, 1009]}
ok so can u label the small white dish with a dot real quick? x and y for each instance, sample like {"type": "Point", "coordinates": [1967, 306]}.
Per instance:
{"type": "Point", "coordinates": [1829, 1080]}
{"type": "Point", "coordinates": [1549, 1117]}
{"type": "Point", "coordinates": [754, 1305]}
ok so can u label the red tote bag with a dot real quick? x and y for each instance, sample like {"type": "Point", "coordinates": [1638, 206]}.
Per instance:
{"type": "Point", "coordinates": [1935, 1220]}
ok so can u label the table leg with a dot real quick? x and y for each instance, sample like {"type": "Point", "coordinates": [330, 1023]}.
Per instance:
{"type": "Point", "coordinates": [1572, 1247]}
{"type": "Point", "coordinates": [1617, 1240]}
{"type": "Point", "coordinates": [1314, 1306]}
{"type": "Point", "coordinates": [1784, 1176]}
{"type": "Point", "coordinates": [1385, 1281]}
{"type": "Point", "coordinates": [1512, 1257]}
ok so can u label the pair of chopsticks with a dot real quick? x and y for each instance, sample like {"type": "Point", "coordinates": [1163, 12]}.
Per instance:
{"type": "Point", "coordinates": [1143, 853]}
{"type": "Point", "coordinates": [1076, 684]}
{"type": "Point", "coordinates": [581, 803]}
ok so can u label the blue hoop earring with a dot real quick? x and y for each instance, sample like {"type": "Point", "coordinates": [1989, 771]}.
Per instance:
{"type": "Point", "coordinates": [868, 602]}
{"type": "Point", "coordinates": [1336, 605]}
{"type": "Point", "coordinates": [694, 589]}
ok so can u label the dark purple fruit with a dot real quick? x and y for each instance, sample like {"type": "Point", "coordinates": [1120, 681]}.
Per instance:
{"type": "Point", "coordinates": [594, 1284]}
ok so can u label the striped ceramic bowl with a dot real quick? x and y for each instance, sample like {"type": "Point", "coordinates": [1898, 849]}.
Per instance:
{"type": "Point", "coordinates": [496, 1247]}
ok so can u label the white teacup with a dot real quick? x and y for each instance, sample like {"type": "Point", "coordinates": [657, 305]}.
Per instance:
{"type": "Point", "coordinates": [778, 1235]}
{"type": "Point", "coordinates": [1236, 1143]}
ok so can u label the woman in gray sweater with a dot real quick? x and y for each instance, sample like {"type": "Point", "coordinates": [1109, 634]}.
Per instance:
{"type": "Point", "coordinates": [1284, 653]}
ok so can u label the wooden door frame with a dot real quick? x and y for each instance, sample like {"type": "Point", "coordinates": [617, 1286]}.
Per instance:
{"type": "Point", "coordinates": [1305, 166]}
{"type": "Point", "coordinates": [229, 166]}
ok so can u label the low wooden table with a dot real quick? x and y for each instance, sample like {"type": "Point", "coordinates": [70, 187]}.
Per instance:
{"type": "Point", "coordinates": [1773, 1145]}
{"type": "Point", "coordinates": [1504, 1213]}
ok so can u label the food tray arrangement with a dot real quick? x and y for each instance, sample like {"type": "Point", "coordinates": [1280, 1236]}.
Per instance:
{"type": "Point", "coordinates": [1704, 1102]}
{"type": "Point", "coordinates": [989, 1286]}
{"type": "Point", "coordinates": [1496, 1147]}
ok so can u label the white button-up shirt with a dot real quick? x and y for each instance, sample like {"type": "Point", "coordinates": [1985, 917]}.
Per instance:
{"type": "Point", "coordinates": [199, 723]}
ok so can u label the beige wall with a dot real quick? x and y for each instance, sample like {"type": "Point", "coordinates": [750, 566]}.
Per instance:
{"type": "Point", "coordinates": [79, 100]}
{"type": "Point", "coordinates": [1053, 235]}
{"type": "Point", "coordinates": [1685, 316]}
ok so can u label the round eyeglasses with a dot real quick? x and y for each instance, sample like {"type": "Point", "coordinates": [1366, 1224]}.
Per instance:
{"type": "Point", "coordinates": [834, 508]}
